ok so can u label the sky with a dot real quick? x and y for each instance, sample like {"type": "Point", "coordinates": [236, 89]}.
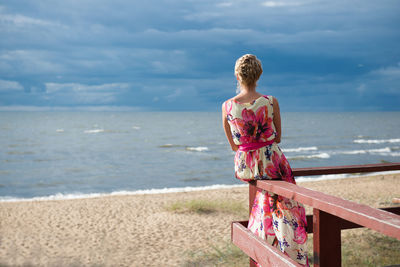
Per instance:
{"type": "Point", "coordinates": [178, 55]}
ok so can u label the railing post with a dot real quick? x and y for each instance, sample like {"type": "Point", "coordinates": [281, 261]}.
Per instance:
{"type": "Point", "coordinates": [252, 196]}
{"type": "Point", "coordinates": [327, 240]}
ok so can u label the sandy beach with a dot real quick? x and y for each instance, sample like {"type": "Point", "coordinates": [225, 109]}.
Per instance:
{"type": "Point", "coordinates": [144, 230]}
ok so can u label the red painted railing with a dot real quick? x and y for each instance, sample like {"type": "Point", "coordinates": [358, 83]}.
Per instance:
{"type": "Point", "coordinates": [330, 215]}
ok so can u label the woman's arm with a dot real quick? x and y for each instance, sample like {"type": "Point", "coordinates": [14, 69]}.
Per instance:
{"type": "Point", "coordinates": [227, 129]}
{"type": "Point", "coordinates": [277, 121]}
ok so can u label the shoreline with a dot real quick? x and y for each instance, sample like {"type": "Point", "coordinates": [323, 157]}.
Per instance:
{"type": "Point", "coordinates": [154, 191]}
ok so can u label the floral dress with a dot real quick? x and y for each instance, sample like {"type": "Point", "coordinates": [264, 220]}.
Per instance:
{"type": "Point", "coordinates": [281, 221]}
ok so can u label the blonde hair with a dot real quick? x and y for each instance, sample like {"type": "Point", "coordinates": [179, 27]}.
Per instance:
{"type": "Point", "coordinates": [249, 69]}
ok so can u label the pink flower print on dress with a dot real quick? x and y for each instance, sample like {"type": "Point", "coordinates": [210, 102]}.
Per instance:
{"type": "Point", "coordinates": [252, 158]}
{"type": "Point", "coordinates": [253, 127]}
{"type": "Point", "coordinates": [272, 169]}
{"type": "Point", "coordinates": [279, 209]}
{"type": "Point", "coordinates": [300, 235]}
{"type": "Point", "coordinates": [264, 129]}
{"type": "Point", "coordinates": [286, 170]}
{"type": "Point", "coordinates": [268, 221]}
{"type": "Point", "coordinates": [256, 214]}
{"type": "Point", "coordinates": [279, 168]}
{"type": "Point", "coordinates": [300, 213]}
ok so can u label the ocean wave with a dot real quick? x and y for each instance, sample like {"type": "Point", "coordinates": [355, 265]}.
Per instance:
{"type": "Point", "coordinates": [300, 149]}
{"type": "Point", "coordinates": [169, 145]}
{"type": "Point", "coordinates": [376, 141]}
{"type": "Point", "coordinates": [13, 152]}
{"type": "Point", "coordinates": [387, 151]}
{"type": "Point", "coordinates": [94, 131]}
{"type": "Point", "coordinates": [61, 196]}
{"type": "Point", "coordinates": [60, 130]}
{"type": "Point", "coordinates": [136, 127]}
{"type": "Point", "coordinates": [392, 154]}
{"type": "Point", "coordinates": [198, 148]}
{"type": "Point", "coordinates": [365, 151]}
{"type": "Point", "coordinates": [189, 148]}
{"type": "Point", "coordinates": [323, 155]}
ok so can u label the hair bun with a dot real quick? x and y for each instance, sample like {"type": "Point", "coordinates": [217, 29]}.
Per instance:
{"type": "Point", "coordinates": [249, 69]}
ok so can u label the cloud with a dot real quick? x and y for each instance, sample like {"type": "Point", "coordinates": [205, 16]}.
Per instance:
{"type": "Point", "coordinates": [282, 3]}
{"type": "Point", "coordinates": [64, 108]}
{"type": "Point", "coordinates": [361, 88]}
{"type": "Point", "coordinates": [23, 21]}
{"type": "Point", "coordinates": [85, 94]}
{"type": "Point", "coordinates": [383, 81]}
{"type": "Point", "coordinates": [174, 95]}
{"type": "Point", "coordinates": [76, 87]}
{"type": "Point", "coordinates": [28, 62]}
{"type": "Point", "coordinates": [390, 71]}
{"type": "Point", "coordinates": [224, 4]}
{"type": "Point", "coordinates": [10, 86]}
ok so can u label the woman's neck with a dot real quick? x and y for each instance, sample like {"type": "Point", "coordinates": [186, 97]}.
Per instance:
{"type": "Point", "coordinates": [245, 89]}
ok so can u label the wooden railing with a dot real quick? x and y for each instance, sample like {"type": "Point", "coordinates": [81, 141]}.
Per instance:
{"type": "Point", "coordinates": [330, 215]}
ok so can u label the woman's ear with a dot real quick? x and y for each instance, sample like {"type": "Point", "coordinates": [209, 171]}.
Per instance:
{"type": "Point", "coordinates": [237, 77]}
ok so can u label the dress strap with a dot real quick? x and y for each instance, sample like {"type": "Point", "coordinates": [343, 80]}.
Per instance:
{"type": "Point", "coordinates": [228, 106]}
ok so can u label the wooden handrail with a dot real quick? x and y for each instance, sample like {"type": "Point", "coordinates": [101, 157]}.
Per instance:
{"type": "Point", "coordinates": [382, 221]}
{"type": "Point", "coordinates": [346, 169]}
{"type": "Point", "coordinates": [256, 248]}
{"type": "Point", "coordinates": [330, 215]}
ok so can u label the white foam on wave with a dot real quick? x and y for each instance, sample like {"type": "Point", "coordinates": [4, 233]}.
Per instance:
{"type": "Point", "coordinates": [392, 154]}
{"type": "Point", "coordinates": [365, 151]}
{"type": "Point", "coordinates": [319, 156]}
{"type": "Point", "coordinates": [189, 148]}
{"type": "Point", "coordinates": [300, 149]}
{"type": "Point", "coordinates": [60, 196]}
{"type": "Point", "coordinates": [198, 148]}
{"type": "Point", "coordinates": [136, 127]}
{"type": "Point", "coordinates": [60, 130]}
{"type": "Point", "coordinates": [323, 155]}
{"type": "Point", "coordinates": [94, 131]}
{"type": "Point", "coordinates": [387, 151]}
{"type": "Point", "coordinates": [376, 141]}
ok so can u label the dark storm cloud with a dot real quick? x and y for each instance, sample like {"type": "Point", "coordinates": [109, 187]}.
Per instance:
{"type": "Point", "coordinates": [317, 55]}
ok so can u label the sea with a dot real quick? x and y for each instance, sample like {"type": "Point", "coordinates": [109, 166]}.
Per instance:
{"type": "Point", "coordinates": [64, 155]}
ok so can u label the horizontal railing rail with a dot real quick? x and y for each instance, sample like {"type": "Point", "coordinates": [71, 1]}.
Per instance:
{"type": "Point", "coordinates": [330, 215]}
{"type": "Point", "coordinates": [346, 169]}
{"type": "Point", "coordinates": [257, 248]}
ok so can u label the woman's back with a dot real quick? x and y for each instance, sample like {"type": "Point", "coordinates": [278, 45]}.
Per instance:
{"type": "Point", "coordinates": [251, 122]}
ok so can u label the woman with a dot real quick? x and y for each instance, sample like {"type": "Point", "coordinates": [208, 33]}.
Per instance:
{"type": "Point", "coordinates": [252, 125]}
